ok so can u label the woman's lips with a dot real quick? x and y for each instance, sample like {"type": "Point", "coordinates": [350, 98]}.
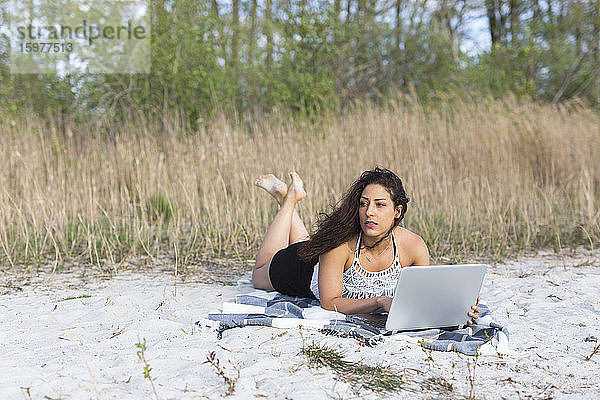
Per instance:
{"type": "Point", "coordinates": [370, 224]}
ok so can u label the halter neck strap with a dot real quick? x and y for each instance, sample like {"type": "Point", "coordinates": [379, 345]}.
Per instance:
{"type": "Point", "coordinates": [357, 251]}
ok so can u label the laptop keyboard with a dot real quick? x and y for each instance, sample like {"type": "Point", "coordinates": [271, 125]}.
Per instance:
{"type": "Point", "coordinates": [377, 324]}
{"type": "Point", "coordinates": [376, 321]}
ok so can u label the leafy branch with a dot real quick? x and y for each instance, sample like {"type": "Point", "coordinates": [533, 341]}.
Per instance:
{"type": "Point", "coordinates": [141, 353]}
{"type": "Point", "coordinates": [214, 361]}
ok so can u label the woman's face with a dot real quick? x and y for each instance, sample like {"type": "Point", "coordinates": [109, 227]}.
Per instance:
{"type": "Point", "coordinates": [376, 210]}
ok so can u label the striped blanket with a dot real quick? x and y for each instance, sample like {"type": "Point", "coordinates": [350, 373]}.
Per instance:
{"type": "Point", "coordinates": [274, 309]}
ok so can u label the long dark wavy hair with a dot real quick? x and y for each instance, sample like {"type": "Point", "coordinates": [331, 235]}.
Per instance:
{"type": "Point", "coordinates": [343, 222]}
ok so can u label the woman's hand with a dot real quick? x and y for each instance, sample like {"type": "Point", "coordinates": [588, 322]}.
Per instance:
{"type": "Point", "coordinates": [474, 315]}
{"type": "Point", "coordinates": [384, 302]}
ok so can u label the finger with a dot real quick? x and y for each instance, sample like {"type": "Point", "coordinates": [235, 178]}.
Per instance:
{"type": "Point", "coordinates": [469, 322]}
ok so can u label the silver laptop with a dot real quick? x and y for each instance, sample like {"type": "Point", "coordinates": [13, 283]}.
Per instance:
{"type": "Point", "coordinates": [436, 296]}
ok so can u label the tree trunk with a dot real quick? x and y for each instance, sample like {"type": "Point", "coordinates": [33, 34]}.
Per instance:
{"type": "Point", "coordinates": [337, 8]}
{"type": "Point", "coordinates": [235, 61]}
{"type": "Point", "coordinates": [216, 24]}
{"type": "Point", "coordinates": [269, 34]}
{"type": "Point", "coordinates": [398, 24]}
{"type": "Point", "coordinates": [302, 22]}
{"type": "Point", "coordinates": [252, 33]}
{"type": "Point", "coordinates": [251, 44]}
{"type": "Point", "coordinates": [348, 11]}
{"type": "Point", "coordinates": [561, 12]}
{"type": "Point", "coordinates": [360, 7]}
{"type": "Point", "coordinates": [335, 20]}
{"type": "Point", "coordinates": [515, 16]}
{"type": "Point", "coordinates": [235, 15]}
{"type": "Point", "coordinates": [493, 21]}
{"type": "Point", "coordinates": [502, 25]}
{"type": "Point", "coordinates": [531, 68]}
{"type": "Point", "coordinates": [337, 43]}
{"type": "Point", "coordinates": [596, 38]}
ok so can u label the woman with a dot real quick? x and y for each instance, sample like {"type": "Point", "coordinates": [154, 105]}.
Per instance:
{"type": "Point", "coordinates": [352, 262]}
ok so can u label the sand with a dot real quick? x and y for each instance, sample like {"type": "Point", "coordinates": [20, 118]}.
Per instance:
{"type": "Point", "coordinates": [69, 336]}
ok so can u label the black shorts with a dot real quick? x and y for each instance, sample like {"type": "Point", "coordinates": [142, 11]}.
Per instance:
{"type": "Point", "coordinates": [290, 275]}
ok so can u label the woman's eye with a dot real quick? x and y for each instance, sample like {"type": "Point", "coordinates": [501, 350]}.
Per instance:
{"type": "Point", "coordinates": [363, 204]}
{"type": "Point", "coordinates": [380, 205]}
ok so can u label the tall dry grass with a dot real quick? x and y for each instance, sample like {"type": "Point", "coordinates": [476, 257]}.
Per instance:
{"type": "Point", "coordinates": [485, 178]}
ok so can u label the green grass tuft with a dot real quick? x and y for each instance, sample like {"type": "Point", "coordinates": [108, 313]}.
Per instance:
{"type": "Point", "coordinates": [377, 379]}
{"type": "Point", "coordinates": [83, 296]}
{"type": "Point", "coordinates": [159, 207]}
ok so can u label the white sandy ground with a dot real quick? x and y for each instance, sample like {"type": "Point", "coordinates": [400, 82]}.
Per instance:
{"type": "Point", "coordinates": [52, 347]}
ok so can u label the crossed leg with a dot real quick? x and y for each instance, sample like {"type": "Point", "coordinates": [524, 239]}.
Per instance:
{"type": "Point", "coordinates": [287, 227]}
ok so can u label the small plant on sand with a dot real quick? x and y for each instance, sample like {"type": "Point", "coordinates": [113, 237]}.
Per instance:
{"type": "Point", "coordinates": [83, 296]}
{"type": "Point", "coordinates": [428, 353]}
{"type": "Point", "coordinates": [11, 287]}
{"type": "Point", "coordinates": [377, 379]}
{"type": "Point", "coordinates": [471, 365]}
{"type": "Point", "coordinates": [214, 361]}
{"type": "Point", "coordinates": [438, 384]}
{"type": "Point", "coordinates": [596, 350]}
{"type": "Point", "coordinates": [141, 353]}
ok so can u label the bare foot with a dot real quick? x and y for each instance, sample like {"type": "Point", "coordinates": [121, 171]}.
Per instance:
{"type": "Point", "coordinates": [273, 186]}
{"type": "Point", "coordinates": [296, 188]}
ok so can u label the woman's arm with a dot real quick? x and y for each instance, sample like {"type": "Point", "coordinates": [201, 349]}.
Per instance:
{"type": "Point", "coordinates": [331, 270]}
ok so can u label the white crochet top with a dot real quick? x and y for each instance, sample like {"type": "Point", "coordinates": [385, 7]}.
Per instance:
{"type": "Point", "coordinates": [358, 283]}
